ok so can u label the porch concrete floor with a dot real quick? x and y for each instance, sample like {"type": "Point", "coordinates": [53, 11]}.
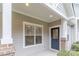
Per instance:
{"type": "Point", "coordinates": [45, 53]}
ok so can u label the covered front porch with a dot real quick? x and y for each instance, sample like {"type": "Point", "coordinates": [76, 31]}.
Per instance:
{"type": "Point", "coordinates": [17, 21]}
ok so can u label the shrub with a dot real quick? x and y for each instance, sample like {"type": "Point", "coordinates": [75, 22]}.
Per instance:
{"type": "Point", "coordinates": [74, 53]}
{"type": "Point", "coordinates": [75, 46]}
{"type": "Point", "coordinates": [77, 42]}
{"type": "Point", "coordinates": [68, 53]}
{"type": "Point", "coordinates": [63, 53]}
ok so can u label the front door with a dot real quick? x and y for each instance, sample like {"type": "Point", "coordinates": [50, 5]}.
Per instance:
{"type": "Point", "coordinates": [55, 38]}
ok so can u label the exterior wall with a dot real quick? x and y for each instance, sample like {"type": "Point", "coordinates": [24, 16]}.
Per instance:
{"type": "Point", "coordinates": [55, 23]}
{"type": "Point", "coordinates": [17, 34]}
{"type": "Point", "coordinates": [17, 29]}
{"type": "Point", "coordinates": [0, 25]}
{"type": "Point", "coordinates": [63, 41]}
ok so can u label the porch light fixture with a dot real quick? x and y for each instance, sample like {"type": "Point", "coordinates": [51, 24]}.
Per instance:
{"type": "Point", "coordinates": [27, 4]}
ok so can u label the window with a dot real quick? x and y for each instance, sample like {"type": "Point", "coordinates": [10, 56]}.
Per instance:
{"type": "Point", "coordinates": [32, 34]}
{"type": "Point", "coordinates": [55, 34]}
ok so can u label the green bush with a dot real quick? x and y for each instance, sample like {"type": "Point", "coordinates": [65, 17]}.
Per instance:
{"type": "Point", "coordinates": [63, 53]}
{"type": "Point", "coordinates": [74, 53]}
{"type": "Point", "coordinates": [77, 42]}
{"type": "Point", "coordinates": [75, 46]}
{"type": "Point", "coordinates": [68, 53]}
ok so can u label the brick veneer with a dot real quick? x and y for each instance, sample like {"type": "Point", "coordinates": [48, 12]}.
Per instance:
{"type": "Point", "coordinates": [63, 43]}
{"type": "Point", "coordinates": [7, 50]}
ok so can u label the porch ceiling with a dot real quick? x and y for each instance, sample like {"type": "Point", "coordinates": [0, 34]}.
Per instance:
{"type": "Point", "coordinates": [36, 10]}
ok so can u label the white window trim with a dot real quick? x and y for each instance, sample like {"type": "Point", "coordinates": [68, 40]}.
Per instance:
{"type": "Point", "coordinates": [24, 34]}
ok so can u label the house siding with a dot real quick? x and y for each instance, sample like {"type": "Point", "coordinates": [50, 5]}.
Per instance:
{"type": "Point", "coordinates": [17, 33]}
{"type": "Point", "coordinates": [0, 25]}
{"type": "Point", "coordinates": [55, 23]}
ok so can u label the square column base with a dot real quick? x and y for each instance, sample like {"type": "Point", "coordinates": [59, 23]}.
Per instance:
{"type": "Point", "coordinates": [7, 50]}
{"type": "Point", "coordinates": [63, 43]}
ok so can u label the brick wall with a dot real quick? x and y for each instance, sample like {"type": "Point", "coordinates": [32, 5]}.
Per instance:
{"type": "Point", "coordinates": [63, 43]}
{"type": "Point", "coordinates": [7, 50]}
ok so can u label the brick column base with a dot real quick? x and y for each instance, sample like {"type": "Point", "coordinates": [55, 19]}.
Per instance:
{"type": "Point", "coordinates": [7, 50]}
{"type": "Point", "coordinates": [63, 43]}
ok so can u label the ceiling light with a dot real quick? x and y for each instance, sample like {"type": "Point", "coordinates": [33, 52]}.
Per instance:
{"type": "Point", "coordinates": [27, 4]}
{"type": "Point", "coordinates": [50, 15]}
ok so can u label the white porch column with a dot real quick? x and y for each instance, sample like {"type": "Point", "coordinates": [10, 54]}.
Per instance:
{"type": "Point", "coordinates": [7, 24]}
{"type": "Point", "coordinates": [64, 29]}
{"type": "Point", "coordinates": [63, 33]}
{"type": "Point", "coordinates": [76, 30]}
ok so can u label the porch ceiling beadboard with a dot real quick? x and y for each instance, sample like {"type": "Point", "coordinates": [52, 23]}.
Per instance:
{"type": "Point", "coordinates": [36, 10]}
